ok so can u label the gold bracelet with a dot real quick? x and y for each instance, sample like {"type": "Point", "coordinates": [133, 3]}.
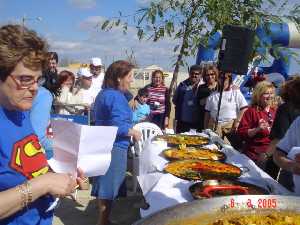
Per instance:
{"type": "Point", "coordinates": [26, 194]}
{"type": "Point", "coordinates": [29, 193]}
{"type": "Point", "coordinates": [20, 189]}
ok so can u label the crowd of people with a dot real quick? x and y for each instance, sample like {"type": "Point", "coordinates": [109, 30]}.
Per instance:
{"type": "Point", "coordinates": [31, 88]}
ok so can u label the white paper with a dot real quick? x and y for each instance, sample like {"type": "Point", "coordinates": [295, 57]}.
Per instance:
{"type": "Point", "coordinates": [81, 146]}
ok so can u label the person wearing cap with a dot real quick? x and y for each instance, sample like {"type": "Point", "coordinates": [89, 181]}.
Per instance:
{"type": "Point", "coordinates": [95, 69]}
{"type": "Point", "coordinates": [81, 93]}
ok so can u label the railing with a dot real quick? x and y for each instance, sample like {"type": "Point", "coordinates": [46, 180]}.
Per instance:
{"type": "Point", "coordinates": [76, 115]}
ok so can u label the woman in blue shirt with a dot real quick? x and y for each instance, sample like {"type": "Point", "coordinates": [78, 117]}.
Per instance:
{"type": "Point", "coordinates": [112, 109]}
{"type": "Point", "coordinates": [26, 183]}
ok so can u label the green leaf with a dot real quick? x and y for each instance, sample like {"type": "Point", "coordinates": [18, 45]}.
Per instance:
{"type": "Point", "coordinates": [118, 22]}
{"type": "Point", "coordinates": [161, 32]}
{"type": "Point", "coordinates": [104, 24]}
{"type": "Point", "coordinates": [140, 33]}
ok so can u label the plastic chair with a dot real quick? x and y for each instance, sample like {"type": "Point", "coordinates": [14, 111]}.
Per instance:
{"type": "Point", "coordinates": [148, 130]}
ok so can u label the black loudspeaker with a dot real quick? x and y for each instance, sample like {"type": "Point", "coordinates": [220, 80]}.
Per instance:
{"type": "Point", "coordinates": [235, 50]}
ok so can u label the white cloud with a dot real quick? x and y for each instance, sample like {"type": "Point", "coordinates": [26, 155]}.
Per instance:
{"type": "Point", "coordinates": [143, 2]}
{"type": "Point", "coordinates": [83, 4]}
{"type": "Point", "coordinates": [91, 22]}
{"type": "Point", "coordinates": [112, 45]}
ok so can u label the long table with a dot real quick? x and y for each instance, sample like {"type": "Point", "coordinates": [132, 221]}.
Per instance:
{"type": "Point", "coordinates": [163, 190]}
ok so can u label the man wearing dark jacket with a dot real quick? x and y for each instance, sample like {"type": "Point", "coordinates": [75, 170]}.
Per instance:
{"type": "Point", "coordinates": [185, 101]}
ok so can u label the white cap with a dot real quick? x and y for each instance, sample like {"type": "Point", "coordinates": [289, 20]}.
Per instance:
{"type": "Point", "coordinates": [84, 72]}
{"type": "Point", "coordinates": [96, 61]}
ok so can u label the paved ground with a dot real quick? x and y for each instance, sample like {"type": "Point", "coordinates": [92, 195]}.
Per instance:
{"type": "Point", "coordinates": [84, 212]}
{"type": "Point", "coordinates": [125, 211]}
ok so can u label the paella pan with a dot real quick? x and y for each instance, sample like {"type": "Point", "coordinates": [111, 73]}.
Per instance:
{"type": "Point", "coordinates": [242, 210]}
{"type": "Point", "coordinates": [193, 153]}
{"type": "Point", "coordinates": [217, 188]}
{"type": "Point", "coordinates": [202, 169]}
{"type": "Point", "coordinates": [182, 139]}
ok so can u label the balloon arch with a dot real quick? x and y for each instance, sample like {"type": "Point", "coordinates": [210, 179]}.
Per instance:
{"type": "Point", "coordinates": [272, 34]}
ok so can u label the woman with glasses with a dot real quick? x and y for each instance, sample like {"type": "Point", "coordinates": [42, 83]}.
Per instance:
{"type": "Point", "coordinates": [210, 78]}
{"type": "Point", "coordinates": [256, 123]}
{"type": "Point", "coordinates": [27, 186]}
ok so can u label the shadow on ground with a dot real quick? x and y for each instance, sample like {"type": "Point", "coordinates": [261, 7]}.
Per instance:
{"type": "Point", "coordinates": [125, 211]}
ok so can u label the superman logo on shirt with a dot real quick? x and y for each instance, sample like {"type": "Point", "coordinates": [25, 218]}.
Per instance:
{"type": "Point", "coordinates": [28, 157]}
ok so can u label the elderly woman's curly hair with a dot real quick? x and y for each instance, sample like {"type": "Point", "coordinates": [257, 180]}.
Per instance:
{"type": "Point", "coordinates": [19, 44]}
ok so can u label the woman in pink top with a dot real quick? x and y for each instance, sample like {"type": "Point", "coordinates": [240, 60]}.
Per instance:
{"type": "Point", "coordinates": [158, 100]}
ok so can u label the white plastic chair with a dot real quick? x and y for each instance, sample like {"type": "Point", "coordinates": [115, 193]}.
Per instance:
{"type": "Point", "coordinates": [148, 130]}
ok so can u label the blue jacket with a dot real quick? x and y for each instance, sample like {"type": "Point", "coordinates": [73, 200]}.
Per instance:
{"type": "Point", "coordinates": [112, 109]}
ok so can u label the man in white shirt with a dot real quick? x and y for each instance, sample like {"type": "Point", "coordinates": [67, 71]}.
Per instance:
{"type": "Point", "coordinates": [82, 94]}
{"type": "Point", "coordinates": [285, 145]}
{"type": "Point", "coordinates": [98, 76]}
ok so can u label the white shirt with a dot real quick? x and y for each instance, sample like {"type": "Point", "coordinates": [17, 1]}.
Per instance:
{"type": "Point", "coordinates": [84, 97]}
{"type": "Point", "coordinates": [65, 97]}
{"type": "Point", "coordinates": [232, 102]}
{"type": "Point", "coordinates": [291, 138]}
{"type": "Point", "coordinates": [96, 86]}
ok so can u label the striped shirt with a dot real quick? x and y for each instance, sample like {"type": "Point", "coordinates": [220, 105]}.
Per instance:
{"type": "Point", "coordinates": [158, 100]}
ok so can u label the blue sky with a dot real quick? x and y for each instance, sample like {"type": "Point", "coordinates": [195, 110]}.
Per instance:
{"type": "Point", "coordinates": [69, 27]}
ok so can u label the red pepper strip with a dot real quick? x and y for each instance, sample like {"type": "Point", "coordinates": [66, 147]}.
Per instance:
{"type": "Point", "coordinates": [208, 189]}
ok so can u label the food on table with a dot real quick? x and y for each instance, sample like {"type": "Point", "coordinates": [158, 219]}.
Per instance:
{"type": "Point", "coordinates": [181, 139]}
{"type": "Point", "coordinates": [225, 188]}
{"type": "Point", "coordinates": [193, 153]}
{"type": "Point", "coordinates": [202, 169]}
{"type": "Point", "coordinates": [259, 218]}
{"type": "Point", "coordinates": [276, 218]}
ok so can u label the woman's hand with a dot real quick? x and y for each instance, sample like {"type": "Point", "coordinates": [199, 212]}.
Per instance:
{"type": "Point", "coordinates": [166, 122]}
{"type": "Point", "coordinates": [296, 165]}
{"type": "Point", "coordinates": [133, 104]}
{"type": "Point", "coordinates": [263, 125]}
{"type": "Point", "coordinates": [58, 184]}
{"type": "Point", "coordinates": [137, 135]}
{"type": "Point", "coordinates": [81, 180]}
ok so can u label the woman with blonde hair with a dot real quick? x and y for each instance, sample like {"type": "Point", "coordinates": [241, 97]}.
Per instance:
{"type": "Point", "coordinates": [256, 123]}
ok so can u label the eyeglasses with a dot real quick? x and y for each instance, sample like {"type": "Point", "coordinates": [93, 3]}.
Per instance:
{"type": "Point", "coordinates": [26, 81]}
{"type": "Point", "coordinates": [195, 73]}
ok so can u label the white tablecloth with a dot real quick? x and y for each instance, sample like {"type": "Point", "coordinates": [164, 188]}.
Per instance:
{"type": "Point", "coordinates": [165, 190]}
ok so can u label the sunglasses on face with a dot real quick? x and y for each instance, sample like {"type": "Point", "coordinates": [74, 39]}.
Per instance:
{"type": "Point", "coordinates": [195, 73]}
{"type": "Point", "coordinates": [210, 74]}
{"type": "Point", "coordinates": [87, 78]}
{"type": "Point", "coordinates": [27, 81]}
